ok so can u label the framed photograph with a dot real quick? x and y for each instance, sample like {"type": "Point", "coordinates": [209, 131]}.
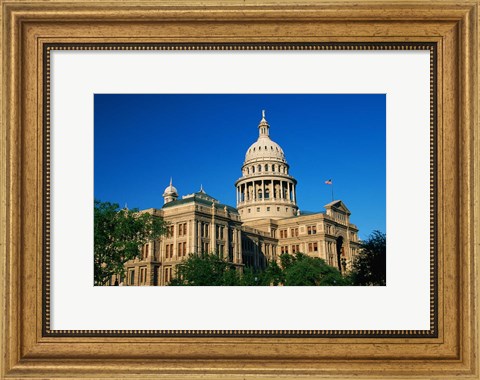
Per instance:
{"type": "Point", "coordinates": [239, 190]}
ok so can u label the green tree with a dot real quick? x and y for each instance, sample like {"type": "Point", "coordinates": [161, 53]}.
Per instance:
{"type": "Point", "coordinates": [118, 237]}
{"type": "Point", "coordinates": [303, 270]}
{"type": "Point", "coordinates": [273, 275]}
{"type": "Point", "coordinates": [207, 269]}
{"type": "Point", "coordinates": [370, 265]}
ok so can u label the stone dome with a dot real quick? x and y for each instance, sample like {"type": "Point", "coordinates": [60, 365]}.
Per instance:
{"type": "Point", "coordinates": [264, 148]}
{"type": "Point", "coordinates": [170, 190]}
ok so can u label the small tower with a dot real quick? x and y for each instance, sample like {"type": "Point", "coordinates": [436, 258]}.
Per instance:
{"type": "Point", "coordinates": [170, 194]}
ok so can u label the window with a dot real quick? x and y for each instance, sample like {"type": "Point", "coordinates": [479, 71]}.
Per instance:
{"type": "Point", "coordinates": [249, 210]}
{"type": "Point", "coordinates": [278, 208]}
{"type": "Point", "coordinates": [259, 168]}
{"type": "Point", "coordinates": [284, 249]}
{"type": "Point", "coordinates": [258, 209]}
{"type": "Point", "coordinates": [204, 229]}
{"type": "Point", "coordinates": [295, 248]}
{"type": "Point", "coordinates": [294, 231]}
{"type": "Point", "coordinates": [169, 251]}
{"type": "Point", "coordinates": [205, 247]}
{"type": "Point", "coordinates": [143, 276]}
{"type": "Point", "coordinates": [273, 168]}
{"type": "Point", "coordinates": [219, 232]}
{"type": "Point", "coordinates": [283, 234]}
{"type": "Point", "coordinates": [182, 249]}
{"type": "Point", "coordinates": [170, 231]}
{"type": "Point", "coordinates": [312, 230]}
{"type": "Point", "coordinates": [182, 229]}
{"type": "Point", "coordinates": [312, 247]}
{"type": "Point", "coordinates": [168, 274]}
{"type": "Point", "coordinates": [266, 167]}
{"type": "Point", "coordinates": [132, 277]}
{"type": "Point", "coordinates": [268, 208]}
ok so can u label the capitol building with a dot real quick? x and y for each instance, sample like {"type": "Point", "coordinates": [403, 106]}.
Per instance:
{"type": "Point", "coordinates": [265, 223]}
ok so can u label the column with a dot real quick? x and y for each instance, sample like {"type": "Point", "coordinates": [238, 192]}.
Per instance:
{"type": "Point", "coordinates": [175, 229]}
{"type": "Point", "coordinates": [213, 240]}
{"type": "Point", "coordinates": [288, 191]}
{"type": "Point", "coordinates": [263, 190]}
{"type": "Point", "coordinates": [194, 247]}
{"type": "Point", "coordinates": [227, 241]}
{"type": "Point", "coordinates": [189, 232]}
{"type": "Point", "coordinates": [294, 195]}
{"type": "Point", "coordinates": [272, 191]}
{"type": "Point", "coordinates": [199, 237]}
{"type": "Point", "coordinates": [238, 246]}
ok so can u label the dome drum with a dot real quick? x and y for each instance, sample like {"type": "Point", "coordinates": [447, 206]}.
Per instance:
{"type": "Point", "coordinates": [264, 168]}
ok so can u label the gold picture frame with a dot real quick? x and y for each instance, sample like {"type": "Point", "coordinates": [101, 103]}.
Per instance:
{"type": "Point", "coordinates": [31, 28]}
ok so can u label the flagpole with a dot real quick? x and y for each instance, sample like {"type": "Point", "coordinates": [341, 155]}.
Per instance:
{"type": "Point", "coordinates": [330, 182]}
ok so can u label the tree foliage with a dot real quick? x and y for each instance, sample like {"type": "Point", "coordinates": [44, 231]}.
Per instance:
{"type": "Point", "coordinates": [303, 270]}
{"type": "Point", "coordinates": [206, 269]}
{"type": "Point", "coordinates": [370, 265]}
{"type": "Point", "coordinates": [118, 237]}
{"type": "Point", "coordinates": [294, 270]}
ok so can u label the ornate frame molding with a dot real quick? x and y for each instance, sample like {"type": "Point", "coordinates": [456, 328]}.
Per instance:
{"type": "Point", "coordinates": [29, 26]}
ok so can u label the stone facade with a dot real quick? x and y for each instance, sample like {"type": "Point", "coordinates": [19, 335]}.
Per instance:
{"type": "Point", "coordinates": [266, 223]}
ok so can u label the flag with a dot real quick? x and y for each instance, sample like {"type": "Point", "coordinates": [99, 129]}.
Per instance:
{"type": "Point", "coordinates": [328, 182]}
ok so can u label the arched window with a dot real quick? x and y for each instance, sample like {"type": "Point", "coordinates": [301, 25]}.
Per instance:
{"type": "Point", "coordinates": [260, 194]}
{"type": "Point", "coordinates": [273, 167]}
{"type": "Point", "coordinates": [259, 168]}
{"type": "Point", "coordinates": [266, 167]}
{"type": "Point", "coordinates": [267, 194]}
{"type": "Point", "coordinates": [259, 148]}
{"type": "Point", "coordinates": [248, 171]}
{"type": "Point", "coordinates": [253, 169]}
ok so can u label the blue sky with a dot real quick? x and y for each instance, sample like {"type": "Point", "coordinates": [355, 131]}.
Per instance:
{"type": "Point", "coordinates": [142, 140]}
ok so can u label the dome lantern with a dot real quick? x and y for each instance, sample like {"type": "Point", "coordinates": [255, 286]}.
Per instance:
{"type": "Point", "coordinates": [263, 127]}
